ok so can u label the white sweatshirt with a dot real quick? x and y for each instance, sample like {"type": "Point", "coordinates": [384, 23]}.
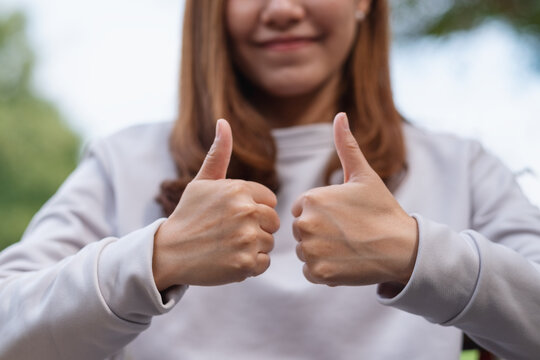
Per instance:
{"type": "Point", "coordinates": [80, 286]}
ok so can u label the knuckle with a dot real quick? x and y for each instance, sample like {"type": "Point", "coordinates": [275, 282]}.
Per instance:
{"type": "Point", "coordinates": [213, 148]}
{"type": "Point", "coordinates": [300, 253]}
{"type": "Point", "coordinates": [211, 154]}
{"type": "Point", "coordinates": [277, 221]}
{"type": "Point", "coordinates": [273, 225]}
{"type": "Point", "coordinates": [307, 249]}
{"type": "Point", "coordinates": [310, 197]}
{"type": "Point", "coordinates": [245, 263]}
{"type": "Point", "coordinates": [322, 271]}
{"type": "Point", "coordinates": [235, 187]}
{"type": "Point", "coordinates": [311, 250]}
{"type": "Point", "coordinates": [246, 209]}
{"type": "Point", "coordinates": [266, 266]}
{"type": "Point", "coordinates": [303, 224]}
{"type": "Point", "coordinates": [272, 197]}
{"type": "Point", "coordinates": [271, 214]}
{"type": "Point", "coordinates": [268, 243]}
{"type": "Point", "coordinates": [263, 264]}
{"type": "Point", "coordinates": [303, 247]}
{"type": "Point", "coordinates": [248, 236]}
{"type": "Point", "coordinates": [351, 145]}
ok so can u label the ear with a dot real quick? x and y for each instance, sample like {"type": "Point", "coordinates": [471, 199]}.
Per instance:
{"type": "Point", "coordinates": [364, 6]}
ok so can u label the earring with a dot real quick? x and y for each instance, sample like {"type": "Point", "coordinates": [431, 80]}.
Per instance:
{"type": "Point", "coordinates": [359, 15]}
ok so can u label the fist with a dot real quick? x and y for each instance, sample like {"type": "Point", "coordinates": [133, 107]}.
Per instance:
{"type": "Point", "coordinates": [221, 230]}
{"type": "Point", "coordinates": [355, 233]}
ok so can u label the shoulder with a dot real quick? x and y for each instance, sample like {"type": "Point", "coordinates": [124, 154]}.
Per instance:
{"type": "Point", "coordinates": [133, 146]}
{"type": "Point", "coordinates": [439, 147]}
{"type": "Point", "coordinates": [418, 138]}
{"type": "Point", "coordinates": [452, 160]}
{"type": "Point", "coordinates": [139, 138]}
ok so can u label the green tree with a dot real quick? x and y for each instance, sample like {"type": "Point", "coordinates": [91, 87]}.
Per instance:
{"type": "Point", "coordinates": [37, 149]}
{"type": "Point", "coordinates": [441, 17]}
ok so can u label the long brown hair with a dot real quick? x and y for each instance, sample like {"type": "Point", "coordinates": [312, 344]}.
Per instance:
{"type": "Point", "coordinates": [211, 89]}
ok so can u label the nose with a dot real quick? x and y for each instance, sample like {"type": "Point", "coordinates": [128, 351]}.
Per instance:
{"type": "Point", "coordinates": [282, 14]}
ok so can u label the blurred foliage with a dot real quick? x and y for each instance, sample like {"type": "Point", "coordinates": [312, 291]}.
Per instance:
{"type": "Point", "coordinates": [37, 150]}
{"type": "Point", "coordinates": [441, 17]}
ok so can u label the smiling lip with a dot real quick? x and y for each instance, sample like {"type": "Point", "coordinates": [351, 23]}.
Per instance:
{"type": "Point", "coordinates": [287, 44]}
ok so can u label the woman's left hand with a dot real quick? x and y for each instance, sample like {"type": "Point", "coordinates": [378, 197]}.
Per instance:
{"type": "Point", "coordinates": [355, 233]}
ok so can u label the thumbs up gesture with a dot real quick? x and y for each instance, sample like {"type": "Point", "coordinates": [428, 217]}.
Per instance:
{"type": "Point", "coordinates": [221, 230]}
{"type": "Point", "coordinates": [355, 233]}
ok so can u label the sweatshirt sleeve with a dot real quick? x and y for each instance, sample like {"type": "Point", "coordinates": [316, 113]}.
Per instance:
{"type": "Point", "coordinates": [484, 280]}
{"type": "Point", "coordinates": [69, 290]}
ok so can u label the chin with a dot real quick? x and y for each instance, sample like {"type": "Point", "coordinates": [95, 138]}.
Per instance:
{"type": "Point", "coordinates": [291, 87]}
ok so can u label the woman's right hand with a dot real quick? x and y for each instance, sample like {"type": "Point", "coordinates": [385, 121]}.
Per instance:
{"type": "Point", "coordinates": [221, 230]}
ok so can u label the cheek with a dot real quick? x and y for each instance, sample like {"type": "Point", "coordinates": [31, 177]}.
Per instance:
{"type": "Point", "coordinates": [339, 24]}
{"type": "Point", "coordinates": [241, 19]}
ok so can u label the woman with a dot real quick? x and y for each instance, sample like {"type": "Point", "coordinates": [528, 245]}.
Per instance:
{"type": "Point", "coordinates": [101, 273]}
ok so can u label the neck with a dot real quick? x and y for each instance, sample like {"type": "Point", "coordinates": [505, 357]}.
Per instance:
{"type": "Point", "coordinates": [319, 106]}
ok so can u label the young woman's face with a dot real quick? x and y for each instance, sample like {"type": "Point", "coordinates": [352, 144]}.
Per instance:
{"type": "Point", "coordinates": [291, 47]}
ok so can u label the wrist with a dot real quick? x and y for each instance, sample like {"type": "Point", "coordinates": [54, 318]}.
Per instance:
{"type": "Point", "coordinates": [159, 262]}
{"type": "Point", "coordinates": [410, 238]}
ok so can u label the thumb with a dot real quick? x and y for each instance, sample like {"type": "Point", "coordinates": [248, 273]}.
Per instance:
{"type": "Point", "coordinates": [217, 160]}
{"type": "Point", "coordinates": [352, 159]}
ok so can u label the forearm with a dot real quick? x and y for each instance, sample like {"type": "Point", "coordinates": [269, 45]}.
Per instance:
{"type": "Point", "coordinates": [503, 314]}
{"type": "Point", "coordinates": [87, 306]}
{"type": "Point", "coordinates": [488, 290]}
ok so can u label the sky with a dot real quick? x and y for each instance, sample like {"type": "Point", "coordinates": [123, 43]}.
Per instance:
{"type": "Point", "coordinates": [110, 64]}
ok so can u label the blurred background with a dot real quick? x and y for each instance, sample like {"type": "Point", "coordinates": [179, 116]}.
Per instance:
{"type": "Point", "coordinates": [74, 71]}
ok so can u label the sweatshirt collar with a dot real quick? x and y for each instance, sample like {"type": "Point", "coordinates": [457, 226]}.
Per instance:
{"type": "Point", "coordinates": [302, 138]}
